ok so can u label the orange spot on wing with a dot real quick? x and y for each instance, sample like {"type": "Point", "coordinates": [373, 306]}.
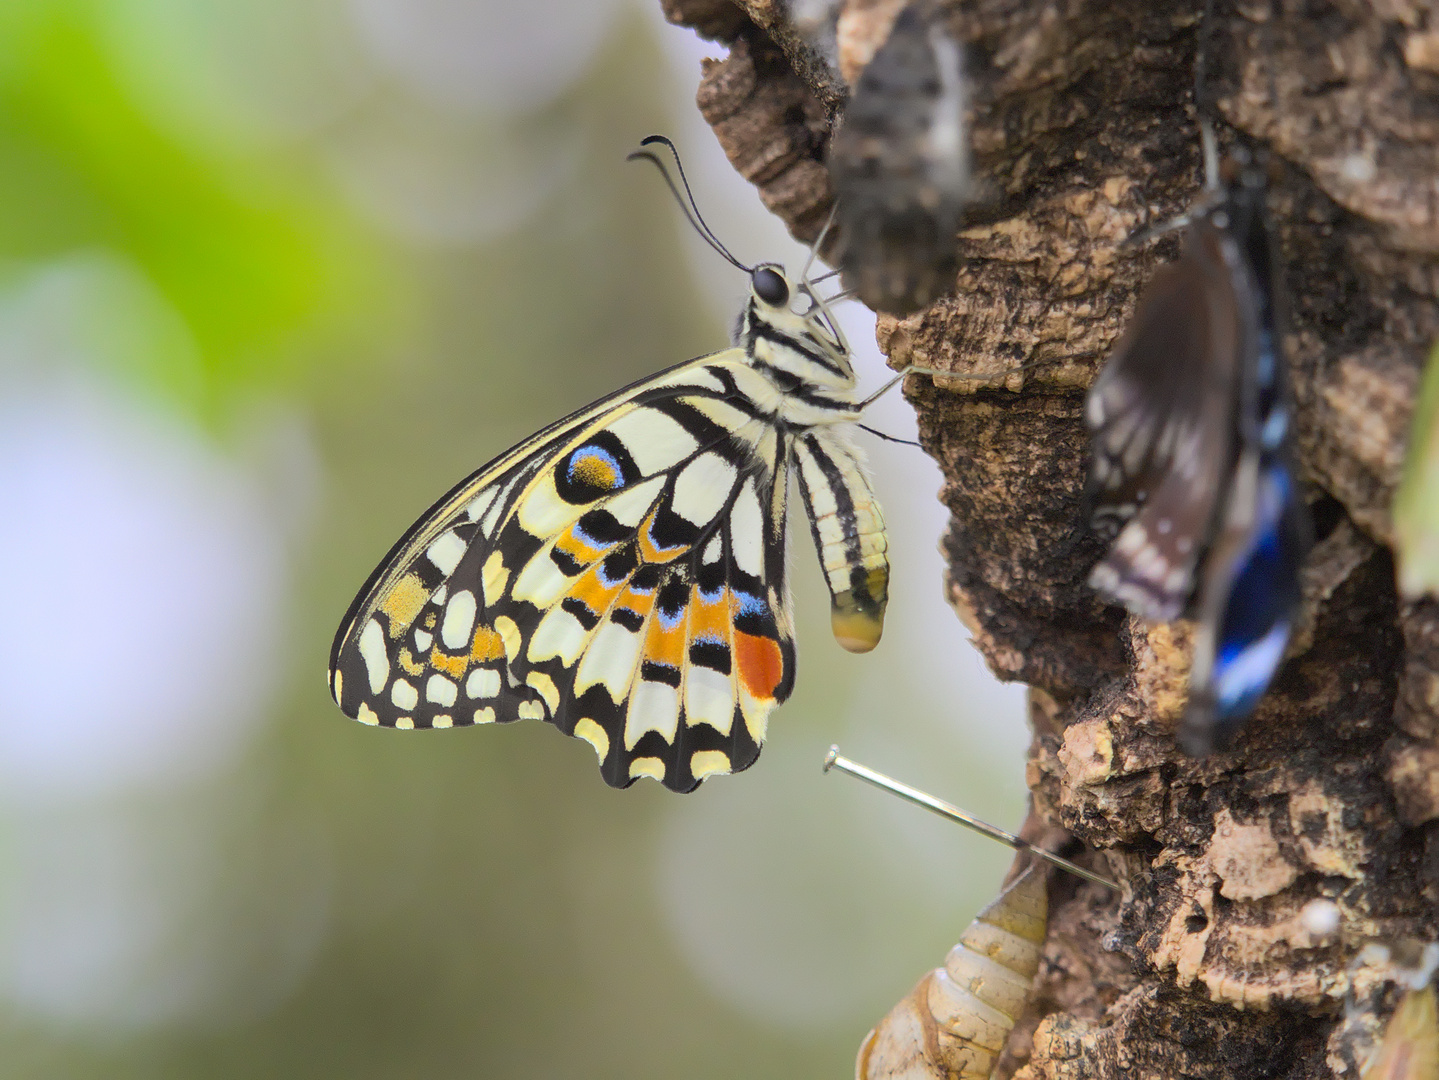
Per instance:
{"type": "Point", "coordinates": [453, 666]}
{"type": "Point", "coordinates": [641, 603]}
{"type": "Point", "coordinates": [487, 645]}
{"type": "Point", "coordinates": [577, 549]}
{"type": "Point", "coordinates": [760, 664]}
{"type": "Point", "coordinates": [593, 592]}
{"type": "Point", "coordinates": [594, 471]}
{"type": "Point", "coordinates": [709, 620]}
{"type": "Point", "coordinates": [666, 646]}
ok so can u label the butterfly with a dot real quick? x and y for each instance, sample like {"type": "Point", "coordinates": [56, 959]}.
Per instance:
{"type": "Point", "coordinates": [900, 167]}
{"type": "Point", "coordinates": [621, 573]}
{"type": "Point", "coordinates": [1192, 464]}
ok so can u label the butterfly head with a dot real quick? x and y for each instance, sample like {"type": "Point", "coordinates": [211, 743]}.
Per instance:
{"type": "Point", "coordinates": [789, 329]}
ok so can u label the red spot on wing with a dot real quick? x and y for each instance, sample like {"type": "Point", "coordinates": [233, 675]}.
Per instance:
{"type": "Point", "coordinates": [760, 664]}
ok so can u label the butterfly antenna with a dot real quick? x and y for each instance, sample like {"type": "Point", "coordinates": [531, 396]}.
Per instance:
{"type": "Point", "coordinates": [687, 200]}
{"type": "Point", "coordinates": [835, 760]}
{"type": "Point", "coordinates": [821, 304]}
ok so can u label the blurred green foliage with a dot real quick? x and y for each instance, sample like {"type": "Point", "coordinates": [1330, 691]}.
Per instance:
{"type": "Point", "coordinates": [258, 259]}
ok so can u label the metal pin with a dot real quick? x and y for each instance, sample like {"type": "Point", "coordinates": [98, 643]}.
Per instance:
{"type": "Point", "coordinates": [834, 760]}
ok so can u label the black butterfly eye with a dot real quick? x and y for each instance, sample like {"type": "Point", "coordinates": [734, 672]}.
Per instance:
{"type": "Point", "coordinates": [770, 286]}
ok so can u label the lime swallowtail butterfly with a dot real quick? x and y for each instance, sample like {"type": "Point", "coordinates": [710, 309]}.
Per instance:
{"type": "Point", "coordinates": [621, 573]}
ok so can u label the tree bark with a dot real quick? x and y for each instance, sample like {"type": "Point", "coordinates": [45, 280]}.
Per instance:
{"type": "Point", "coordinates": [1082, 123]}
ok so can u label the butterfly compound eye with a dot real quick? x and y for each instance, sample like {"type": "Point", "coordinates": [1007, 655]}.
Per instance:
{"type": "Point", "coordinates": [770, 286]}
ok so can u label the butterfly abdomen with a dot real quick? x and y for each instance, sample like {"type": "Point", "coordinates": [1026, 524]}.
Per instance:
{"type": "Point", "coordinates": [848, 529]}
{"type": "Point", "coordinates": [954, 1023]}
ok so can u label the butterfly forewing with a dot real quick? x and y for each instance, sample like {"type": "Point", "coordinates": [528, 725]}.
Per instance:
{"type": "Point", "coordinates": [1161, 414]}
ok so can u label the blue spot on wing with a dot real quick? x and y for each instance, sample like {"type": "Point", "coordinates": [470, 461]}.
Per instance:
{"type": "Point", "coordinates": [1254, 630]}
{"type": "Point", "coordinates": [750, 604]}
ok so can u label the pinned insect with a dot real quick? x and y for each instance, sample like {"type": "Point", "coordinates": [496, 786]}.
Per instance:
{"type": "Point", "coordinates": [955, 1022]}
{"type": "Point", "coordinates": [900, 165]}
{"type": "Point", "coordinates": [1192, 465]}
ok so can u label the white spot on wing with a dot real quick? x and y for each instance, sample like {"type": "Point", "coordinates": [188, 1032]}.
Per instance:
{"type": "Point", "coordinates": [459, 622]}
{"type": "Point", "coordinates": [372, 651]}
{"type": "Point", "coordinates": [446, 552]}
{"type": "Point", "coordinates": [609, 661]}
{"type": "Point", "coordinates": [441, 690]}
{"type": "Point", "coordinates": [654, 706]}
{"type": "Point", "coordinates": [559, 634]}
{"type": "Point", "coordinates": [630, 506]}
{"type": "Point", "coordinates": [654, 440]}
{"type": "Point", "coordinates": [404, 695]}
{"type": "Point", "coordinates": [540, 581]}
{"type": "Point", "coordinates": [747, 531]}
{"type": "Point", "coordinates": [483, 683]}
{"type": "Point", "coordinates": [702, 488]}
{"type": "Point", "coordinates": [708, 698]}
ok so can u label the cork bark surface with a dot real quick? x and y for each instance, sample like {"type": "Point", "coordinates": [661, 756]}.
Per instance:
{"type": "Point", "coordinates": [1210, 963]}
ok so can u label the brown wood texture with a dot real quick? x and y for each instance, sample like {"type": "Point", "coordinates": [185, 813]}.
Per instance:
{"type": "Point", "coordinates": [1082, 124]}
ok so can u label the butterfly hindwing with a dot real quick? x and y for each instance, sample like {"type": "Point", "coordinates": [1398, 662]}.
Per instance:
{"type": "Point", "coordinates": [620, 575]}
{"type": "Point", "coordinates": [1162, 417]}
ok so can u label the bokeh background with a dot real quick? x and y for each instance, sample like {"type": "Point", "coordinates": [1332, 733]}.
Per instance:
{"type": "Point", "coordinates": [273, 275]}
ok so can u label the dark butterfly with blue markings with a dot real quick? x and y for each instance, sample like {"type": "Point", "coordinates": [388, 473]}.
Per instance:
{"type": "Point", "coordinates": [1192, 468]}
{"type": "Point", "coordinates": [900, 165]}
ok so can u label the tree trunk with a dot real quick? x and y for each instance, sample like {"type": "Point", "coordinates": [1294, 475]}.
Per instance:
{"type": "Point", "coordinates": [1082, 121]}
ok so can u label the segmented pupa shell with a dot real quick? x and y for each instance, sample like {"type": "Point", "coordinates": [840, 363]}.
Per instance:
{"type": "Point", "coordinates": [1410, 1050]}
{"type": "Point", "coordinates": [953, 1025]}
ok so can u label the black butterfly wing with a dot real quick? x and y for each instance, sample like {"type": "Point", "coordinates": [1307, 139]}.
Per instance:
{"type": "Point", "coordinates": [1162, 419]}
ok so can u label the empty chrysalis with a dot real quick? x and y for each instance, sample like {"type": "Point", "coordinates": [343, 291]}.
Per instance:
{"type": "Point", "coordinates": [900, 167]}
{"type": "Point", "coordinates": [953, 1025]}
{"type": "Point", "coordinates": [1416, 503]}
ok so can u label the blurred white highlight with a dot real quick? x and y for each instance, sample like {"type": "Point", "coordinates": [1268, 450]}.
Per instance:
{"type": "Point", "coordinates": [144, 576]}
